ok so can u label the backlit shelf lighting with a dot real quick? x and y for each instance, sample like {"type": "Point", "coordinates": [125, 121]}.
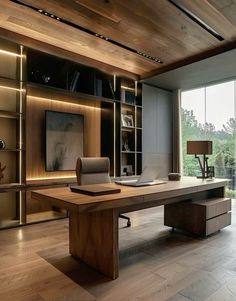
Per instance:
{"type": "Point", "coordinates": [127, 88]}
{"type": "Point", "coordinates": [9, 53]}
{"type": "Point", "coordinates": [64, 102]}
{"type": "Point", "coordinates": [20, 142]}
{"type": "Point", "coordinates": [11, 88]}
{"type": "Point", "coordinates": [50, 178]}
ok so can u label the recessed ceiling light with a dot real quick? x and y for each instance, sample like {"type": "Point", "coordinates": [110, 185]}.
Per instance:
{"type": "Point", "coordinates": [88, 31]}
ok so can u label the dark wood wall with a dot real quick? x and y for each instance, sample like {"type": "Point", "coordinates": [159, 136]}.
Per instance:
{"type": "Point", "coordinates": [39, 100]}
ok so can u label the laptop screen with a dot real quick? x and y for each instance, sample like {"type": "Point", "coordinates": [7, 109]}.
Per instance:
{"type": "Point", "coordinates": [149, 174]}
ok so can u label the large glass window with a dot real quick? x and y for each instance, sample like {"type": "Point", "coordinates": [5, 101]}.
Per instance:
{"type": "Point", "coordinates": [208, 113]}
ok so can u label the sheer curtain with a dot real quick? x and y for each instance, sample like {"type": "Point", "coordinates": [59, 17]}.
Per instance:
{"type": "Point", "coordinates": [177, 144]}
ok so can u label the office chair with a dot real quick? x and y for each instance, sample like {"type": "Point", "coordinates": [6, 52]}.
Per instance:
{"type": "Point", "coordinates": [95, 171]}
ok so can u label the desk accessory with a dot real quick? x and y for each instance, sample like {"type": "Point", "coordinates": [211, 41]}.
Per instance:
{"type": "Point", "coordinates": [2, 144]}
{"type": "Point", "coordinates": [94, 189]}
{"type": "Point", "coordinates": [174, 176]}
{"type": "Point", "coordinates": [211, 172]}
{"type": "Point", "coordinates": [200, 148]}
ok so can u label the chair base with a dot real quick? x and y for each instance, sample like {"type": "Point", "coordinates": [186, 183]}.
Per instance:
{"type": "Point", "coordinates": [127, 218]}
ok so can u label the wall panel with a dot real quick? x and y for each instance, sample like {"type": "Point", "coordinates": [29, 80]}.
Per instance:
{"type": "Point", "coordinates": [39, 101]}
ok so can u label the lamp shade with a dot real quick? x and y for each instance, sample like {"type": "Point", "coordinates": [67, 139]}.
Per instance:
{"type": "Point", "coordinates": [199, 147]}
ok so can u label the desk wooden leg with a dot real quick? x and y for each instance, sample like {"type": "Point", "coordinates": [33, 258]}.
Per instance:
{"type": "Point", "coordinates": [93, 238]}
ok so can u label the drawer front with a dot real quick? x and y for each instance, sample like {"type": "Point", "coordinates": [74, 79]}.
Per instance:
{"type": "Point", "coordinates": [217, 223]}
{"type": "Point", "coordinates": [218, 208]}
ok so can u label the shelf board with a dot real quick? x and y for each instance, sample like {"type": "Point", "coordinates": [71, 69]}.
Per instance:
{"type": "Point", "coordinates": [127, 128]}
{"type": "Point", "coordinates": [128, 152]}
{"type": "Point", "coordinates": [138, 106]}
{"type": "Point", "coordinates": [10, 186]}
{"type": "Point", "coordinates": [10, 83]}
{"type": "Point", "coordinates": [138, 128]}
{"type": "Point", "coordinates": [35, 90]}
{"type": "Point", "coordinates": [127, 104]}
{"type": "Point", "coordinates": [9, 114]}
{"type": "Point", "coordinates": [11, 150]}
{"type": "Point", "coordinates": [50, 181]}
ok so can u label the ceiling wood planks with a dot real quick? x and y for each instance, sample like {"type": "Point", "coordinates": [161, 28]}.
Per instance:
{"type": "Point", "coordinates": [156, 28]}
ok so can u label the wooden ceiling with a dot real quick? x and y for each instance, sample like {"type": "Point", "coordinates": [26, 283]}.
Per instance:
{"type": "Point", "coordinates": [154, 27]}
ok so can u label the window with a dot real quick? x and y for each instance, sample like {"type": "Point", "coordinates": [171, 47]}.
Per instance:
{"type": "Point", "coordinates": [209, 113]}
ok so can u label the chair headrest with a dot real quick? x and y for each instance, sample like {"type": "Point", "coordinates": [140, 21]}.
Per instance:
{"type": "Point", "coordinates": [93, 165]}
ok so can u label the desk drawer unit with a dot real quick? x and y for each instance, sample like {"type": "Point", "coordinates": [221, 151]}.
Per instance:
{"type": "Point", "coordinates": [202, 217]}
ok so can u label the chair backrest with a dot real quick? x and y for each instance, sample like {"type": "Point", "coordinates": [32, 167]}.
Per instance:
{"type": "Point", "coordinates": [91, 170]}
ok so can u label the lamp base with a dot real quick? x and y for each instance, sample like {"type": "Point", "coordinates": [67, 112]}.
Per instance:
{"type": "Point", "coordinates": [201, 177]}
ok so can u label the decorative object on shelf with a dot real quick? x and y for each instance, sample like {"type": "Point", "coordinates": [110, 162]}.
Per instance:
{"type": "Point", "coordinates": [174, 176]}
{"type": "Point", "coordinates": [211, 172]}
{"type": "Point", "coordinates": [1, 171]}
{"type": "Point", "coordinates": [126, 170]}
{"type": "Point", "coordinates": [127, 120]}
{"type": "Point", "coordinates": [125, 145]}
{"type": "Point", "coordinates": [2, 144]}
{"type": "Point", "coordinates": [127, 96]}
{"type": "Point", "coordinates": [200, 148]}
{"type": "Point", "coordinates": [130, 97]}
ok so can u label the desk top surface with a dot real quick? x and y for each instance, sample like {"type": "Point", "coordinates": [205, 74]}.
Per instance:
{"type": "Point", "coordinates": [128, 195]}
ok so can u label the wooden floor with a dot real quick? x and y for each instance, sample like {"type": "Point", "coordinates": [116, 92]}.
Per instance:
{"type": "Point", "coordinates": [155, 264]}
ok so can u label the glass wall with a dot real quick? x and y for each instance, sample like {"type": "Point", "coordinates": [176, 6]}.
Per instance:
{"type": "Point", "coordinates": [209, 113]}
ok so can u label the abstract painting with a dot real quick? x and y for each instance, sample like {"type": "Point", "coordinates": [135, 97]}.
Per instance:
{"type": "Point", "coordinates": [64, 140]}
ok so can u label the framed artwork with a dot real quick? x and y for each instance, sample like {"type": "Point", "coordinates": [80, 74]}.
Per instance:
{"type": "Point", "coordinates": [64, 140]}
{"type": "Point", "coordinates": [127, 120]}
{"type": "Point", "coordinates": [126, 170]}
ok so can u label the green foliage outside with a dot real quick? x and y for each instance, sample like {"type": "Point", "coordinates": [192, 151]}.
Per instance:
{"type": "Point", "coordinates": [223, 157]}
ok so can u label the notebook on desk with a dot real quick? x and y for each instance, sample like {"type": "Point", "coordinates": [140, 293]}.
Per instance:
{"type": "Point", "coordinates": [94, 189]}
{"type": "Point", "coordinates": [147, 178]}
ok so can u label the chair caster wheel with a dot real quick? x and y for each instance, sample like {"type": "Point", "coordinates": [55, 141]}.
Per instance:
{"type": "Point", "coordinates": [128, 224]}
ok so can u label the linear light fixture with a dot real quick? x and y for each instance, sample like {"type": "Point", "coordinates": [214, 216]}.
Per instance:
{"type": "Point", "coordinates": [11, 88]}
{"type": "Point", "coordinates": [9, 53]}
{"type": "Point", "coordinates": [64, 102]}
{"type": "Point", "coordinates": [90, 32]}
{"type": "Point", "coordinates": [50, 178]}
{"type": "Point", "coordinates": [127, 88]}
{"type": "Point", "coordinates": [196, 19]}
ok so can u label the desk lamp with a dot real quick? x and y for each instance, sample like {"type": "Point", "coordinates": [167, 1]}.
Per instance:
{"type": "Point", "coordinates": [202, 148]}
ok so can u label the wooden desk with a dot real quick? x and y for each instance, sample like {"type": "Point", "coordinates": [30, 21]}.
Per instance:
{"type": "Point", "coordinates": [93, 221]}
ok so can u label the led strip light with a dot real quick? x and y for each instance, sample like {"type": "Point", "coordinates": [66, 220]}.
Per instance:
{"type": "Point", "coordinates": [197, 20]}
{"type": "Point", "coordinates": [9, 53]}
{"type": "Point", "coordinates": [88, 31]}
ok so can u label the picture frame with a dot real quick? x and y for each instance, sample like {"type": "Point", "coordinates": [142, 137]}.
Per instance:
{"type": "Point", "coordinates": [211, 172]}
{"type": "Point", "coordinates": [127, 120]}
{"type": "Point", "coordinates": [126, 170]}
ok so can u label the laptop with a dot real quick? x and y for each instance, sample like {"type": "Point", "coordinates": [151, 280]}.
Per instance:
{"type": "Point", "coordinates": [147, 178]}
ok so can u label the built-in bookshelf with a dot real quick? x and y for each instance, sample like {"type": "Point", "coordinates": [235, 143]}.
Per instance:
{"type": "Point", "coordinates": [12, 116]}
{"type": "Point", "coordinates": [30, 83]}
{"type": "Point", "coordinates": [130, 128]}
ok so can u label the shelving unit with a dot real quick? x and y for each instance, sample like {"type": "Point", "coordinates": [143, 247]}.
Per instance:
{"type": "Point", "coordinates": [130, 128]}
{"type": "Point", "coordinates": [112, 110]}
{"type": "Point", "coordinates": [12, 108]}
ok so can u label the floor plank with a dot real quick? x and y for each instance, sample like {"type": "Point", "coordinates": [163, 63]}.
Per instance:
{"type": "Point", "coordinates": [155, 264]}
